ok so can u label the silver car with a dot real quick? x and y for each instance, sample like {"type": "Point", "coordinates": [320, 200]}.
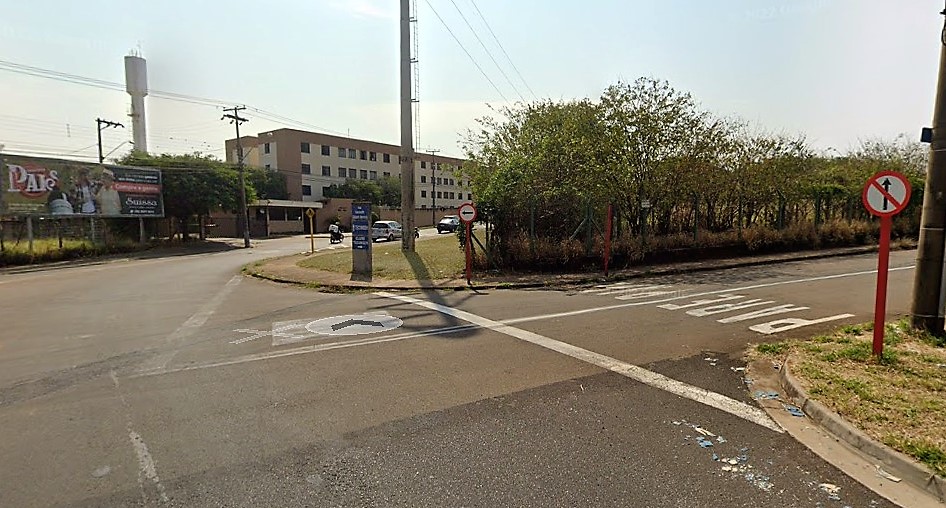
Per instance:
{"type": "Point", "coordinates": [386, 229]}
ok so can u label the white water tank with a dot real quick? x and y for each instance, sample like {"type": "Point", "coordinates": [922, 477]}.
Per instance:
{"type": "Point", "coordinates": [136, 84]}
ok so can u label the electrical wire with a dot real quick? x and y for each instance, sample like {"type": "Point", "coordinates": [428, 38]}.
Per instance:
{"type": "Point", "coordinates": [488, 52]}
{"type": "Point", "coordinates": [444, 23]}
{"type": "Point", "coordinates": [503, 49]}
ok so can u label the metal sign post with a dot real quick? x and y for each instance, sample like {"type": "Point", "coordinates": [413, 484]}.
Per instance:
{"type": "Point", "coordinates": [310, 213]}
{"type": "Point", "coordinates": [885, 195]}
{"type": "Point", "coordinates": [361, 240]}
{"type": "Point", "coordinates": [467, 213]}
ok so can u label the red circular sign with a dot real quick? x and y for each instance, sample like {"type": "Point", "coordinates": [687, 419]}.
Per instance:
{"type": "Point", "coordinates": [887, 193]}
{"type": "Point", "coordinates": [467, 212]}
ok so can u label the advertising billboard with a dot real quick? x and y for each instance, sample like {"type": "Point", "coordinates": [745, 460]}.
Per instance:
{"type": "Point", "coordinates": [53, 187]}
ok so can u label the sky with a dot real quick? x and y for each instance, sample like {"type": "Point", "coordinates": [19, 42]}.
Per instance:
{"type": "Point", "coordinates": [836, 71]}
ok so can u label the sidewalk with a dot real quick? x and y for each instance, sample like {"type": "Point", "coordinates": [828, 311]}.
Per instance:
{"type": "Point", "coordinates": [285, 270]}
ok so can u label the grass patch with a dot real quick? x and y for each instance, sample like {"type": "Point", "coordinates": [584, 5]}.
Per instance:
{"type": "Point", "coordinates": [438, 258]}
{"type": "Point", "coordinates": [897, 399]}
{"type": "Point", "coordinates": [47, 250]}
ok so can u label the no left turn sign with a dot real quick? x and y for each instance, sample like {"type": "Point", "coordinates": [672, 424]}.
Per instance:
{"type": "Point", "coordinates": [886, 193]}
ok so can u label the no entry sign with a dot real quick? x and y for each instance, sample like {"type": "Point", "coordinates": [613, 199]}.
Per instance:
{"type": "Point", "coordinates": [885, 195]}
{"type": "Point", "coordinates": [467, 212]}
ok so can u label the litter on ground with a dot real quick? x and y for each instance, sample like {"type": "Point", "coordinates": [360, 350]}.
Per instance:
{"type": "Point", "coordinates": [794, 411]}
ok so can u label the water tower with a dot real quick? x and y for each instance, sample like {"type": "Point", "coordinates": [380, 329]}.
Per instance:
{"type": "Point", "coordinates": [136, 84]}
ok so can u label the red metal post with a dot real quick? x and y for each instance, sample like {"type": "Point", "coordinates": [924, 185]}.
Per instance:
{"type": "Point", "coordinates": [880, 305]}
{"type": "Point", "coordinates": [469, 257]}
{"type": "Point", "coordinates": [607, 239]}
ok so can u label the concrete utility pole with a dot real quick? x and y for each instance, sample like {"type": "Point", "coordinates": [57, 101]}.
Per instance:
{"type": "Point", "coordinates": [407, 143]}
{"type": "Point", "coordinates": [928, 276]}
{"type": "Point", "coordinates": [104, 124]}
{"type": "Point", "coordinates": [236, 119]}
{"type": "Point", "coordinates": [433, 186]}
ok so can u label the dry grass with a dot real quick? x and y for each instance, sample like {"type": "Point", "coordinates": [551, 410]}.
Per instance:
{"type": "Point", "coordinates": [438, 258]}
{"type": "Point", "coordinates": [899, 399]}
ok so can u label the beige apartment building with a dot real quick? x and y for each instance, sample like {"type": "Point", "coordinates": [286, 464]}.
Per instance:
{"type": "Point", "coordinates": [312, 162]}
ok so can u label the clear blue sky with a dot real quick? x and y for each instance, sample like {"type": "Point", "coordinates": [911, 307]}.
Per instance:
{"type": "Point", "coordinates": [836, 70]}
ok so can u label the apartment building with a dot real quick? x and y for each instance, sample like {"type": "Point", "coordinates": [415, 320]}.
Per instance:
{"type": "Point", "coordinates": [312, 162]}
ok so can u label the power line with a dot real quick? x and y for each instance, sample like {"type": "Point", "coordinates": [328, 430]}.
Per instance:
{"type": "Point", "coordinates": [488, 52]}
{"type": "Point", "coordinates": [503, 49]}
{"type": "Point", "coordinates": [159, 94]}
{"type": "Point", "coordinates": [467, 52]}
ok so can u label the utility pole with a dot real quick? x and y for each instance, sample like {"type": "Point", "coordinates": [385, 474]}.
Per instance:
{"type": "Point", "coordinates": [928, 276]}
{"type": "Point", "coordinates": [234, 115]}
{"type": "Point", "coordinates": [407, 142]}
{"type": "Point", "coordinates": [433, 185]}
{"type": "Point", "coordinates": [104, 124]}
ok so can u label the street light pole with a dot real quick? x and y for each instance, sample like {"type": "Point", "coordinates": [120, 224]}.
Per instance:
{"type": "Point", "coordinates": [236, 119]}
{"type": "Point", "coordinates": [928, 277]}
{"type": "Point", "coordinates": [104, 124]}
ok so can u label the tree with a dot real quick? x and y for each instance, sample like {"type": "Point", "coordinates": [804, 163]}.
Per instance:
{"type": "Point", "coordinates": [269, 184]}
{"type": "Point", "coordinates": [194, 184]}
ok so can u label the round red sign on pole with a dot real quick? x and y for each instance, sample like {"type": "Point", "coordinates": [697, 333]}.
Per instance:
{"type": "Point", "coordinates": [886, 193]}
{"type": "Point", "coordinates": [467, 213]}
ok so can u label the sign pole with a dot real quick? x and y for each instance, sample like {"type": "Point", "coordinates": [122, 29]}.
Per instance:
{"type": "Point", "coordinates": [880, 302]}
{"type": "Point", "coordinates": [607, 239]}
{"type": "Point", "coordinates": [469, 257]}
{"type": "Point", "coordinates": [311, 235]}
{"type": "Point", "coordinates": [886, 194]}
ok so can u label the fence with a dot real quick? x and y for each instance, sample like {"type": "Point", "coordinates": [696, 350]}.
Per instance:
{"type": "Point", "coordinates": [26, 239]}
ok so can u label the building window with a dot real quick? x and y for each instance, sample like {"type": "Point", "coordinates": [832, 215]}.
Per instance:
{"type": "Point", "coordinates": [373, 175]}
{"type": "Point", "coordinates": [305, 147]}
{"type": "Point", "coordinates": [423, 178]}
{"type": "Point", "coordinates": [326, 150]}
{"type": "Point", "coordinates": [351, 153]}
{"type": "Point", "coordinates": [342, 152]}
{"type": "Point", "coordinates": [265, 147]}
{"type": "Point", "coordinates": [423, 194]}
{"type": "Point", "coordinates": [387, 174]}
{"type": "Point", "coordinates": [326, 170]}
{"type": "Point", "coordinates": [387, 158]}
{"type": "Point", "coordinates": [439, 181]}
{"type": "Point", "coordinates": [267, 166]}
{"type": "Point", "coordinates": [469, 196]}
{"type": "Point", "coordinates": [326, 190]}
{"type": "Point", "coordinates": [306, 190]}
{"type": "Point", "coordinates": [352, 173]}
{"type": "Point", "coordinates": [452, 182]}
{"type": "Point", "coordinates": [373, 156]}
{"type": "Point", "coordinates": [423, 164]}
{"type": "Point", "coordinates": [363, 174]}
{"type": "Point", "coordinates": [364, 155]}
{"type": "Point", "coordinates": [342, 173]}
{"type": "Point", "coordinates": [306, 169]}
{"type": "Point", "coordinates": [439, 194]}
{"type": "Point", "coordinates": [453, 195]}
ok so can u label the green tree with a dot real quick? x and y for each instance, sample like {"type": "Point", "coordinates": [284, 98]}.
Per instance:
{"type": "Point", "coordinates": [194, 184]}
{"type": "Point", "coordinates": [269, 184]}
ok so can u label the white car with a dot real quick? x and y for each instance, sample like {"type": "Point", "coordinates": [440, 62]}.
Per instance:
{"type": "Point", "coordinates": [386, 229]}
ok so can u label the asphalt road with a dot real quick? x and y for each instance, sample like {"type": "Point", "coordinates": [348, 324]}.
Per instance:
{"type": "Point", "coordinates": [178, 382]}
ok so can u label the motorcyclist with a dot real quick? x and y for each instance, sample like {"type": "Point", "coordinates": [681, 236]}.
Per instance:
{"type": "Point", "coordinates": [334, 232]}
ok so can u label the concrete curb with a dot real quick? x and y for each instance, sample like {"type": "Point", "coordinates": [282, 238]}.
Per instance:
{"type": "Point", "coordinates": [565, 280]}
{"type": "Point", "coordinates": [910, 470]}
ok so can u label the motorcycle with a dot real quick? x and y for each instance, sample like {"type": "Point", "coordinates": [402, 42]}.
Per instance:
{"type": "Point", "coordinates": [336, 237]}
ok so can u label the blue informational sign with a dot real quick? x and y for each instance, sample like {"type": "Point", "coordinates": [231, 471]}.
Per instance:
{"type": "Point", "coordinates": [360, 226]}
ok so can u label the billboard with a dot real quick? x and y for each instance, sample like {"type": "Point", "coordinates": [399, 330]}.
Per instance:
{"type": "Point", "coordinates": [54, 187]}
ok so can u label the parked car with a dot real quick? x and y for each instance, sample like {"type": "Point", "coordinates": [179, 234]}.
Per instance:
{"type": "Point", "coordinates": [448, 224]}
{"type": "Point", "coordinates": [386, 229]}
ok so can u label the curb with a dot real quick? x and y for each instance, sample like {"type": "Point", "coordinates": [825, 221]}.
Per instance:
{"type": "Point", "coordinates": [910, 470]}
{"type": "Point", "coordinates": [653, 270]}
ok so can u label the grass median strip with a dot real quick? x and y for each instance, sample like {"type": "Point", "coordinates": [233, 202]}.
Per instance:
{"type": "Point", "coordinates": [437, 258]}
{"type": "Point", "coordinates": [898, 399]}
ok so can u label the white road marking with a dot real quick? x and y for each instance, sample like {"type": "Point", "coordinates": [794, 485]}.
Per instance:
{"type": "Point", "coordinates": [771, 311]}
{"type": "Point", "coordinates": [791, 323]}
{"type": "Point", "coordinates": [542, 317]}
{"type": "Point", "coordinates": [640, 374]}
{"type": "Point", "coordinates": [194, 323]}
{"type": "Point", "coordinates": [146, 465]}
{"type": "Point", "coordinates": [303, 350]}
